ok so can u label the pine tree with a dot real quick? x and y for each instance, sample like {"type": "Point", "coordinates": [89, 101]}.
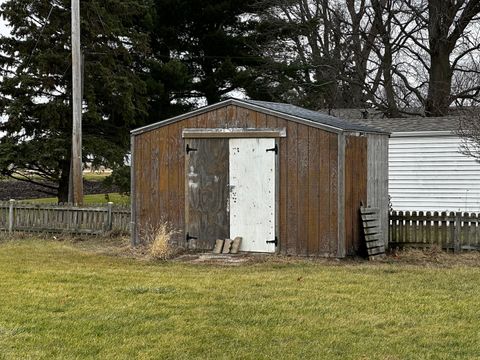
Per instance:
{"type": "Point", "coordinates": [210, 42]}
{"type": "Point", "coordinates": [35, 91]}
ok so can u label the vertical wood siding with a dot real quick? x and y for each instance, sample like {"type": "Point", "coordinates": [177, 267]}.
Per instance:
{"type": "Point", "coordinates": [377, 183]}
{"type": "Point", "coordinates": [308, 178]}
{"type": "Point", "coordinates": [355, 190]}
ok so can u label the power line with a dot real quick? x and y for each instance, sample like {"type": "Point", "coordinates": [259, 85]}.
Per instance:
{"type": "Point", "coordinates": [39, 36]}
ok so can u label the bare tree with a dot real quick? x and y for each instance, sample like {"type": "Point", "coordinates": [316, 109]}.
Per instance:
{"type": "Point", "coordinates": [306, 53]}
{"type": "Point", "coordinates": [469, 132]}
{"type": "Point", "coordinates": [389, 54]}
{"type": "Point", "coordinates": [442, 31]}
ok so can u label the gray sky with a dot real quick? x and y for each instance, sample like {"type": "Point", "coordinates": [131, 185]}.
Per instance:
{"type": "Point", "coordinates": [3, 27]}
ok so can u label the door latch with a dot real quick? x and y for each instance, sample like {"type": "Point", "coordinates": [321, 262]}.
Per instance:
{"type": "Point", "coordinates": [275, 149]}
{"type": "Point", "coordinates": [189, 237]}
{"type": "Point", "coordinates": [188, 149]}
{"type": "Point", "coordinates": [273, 241]}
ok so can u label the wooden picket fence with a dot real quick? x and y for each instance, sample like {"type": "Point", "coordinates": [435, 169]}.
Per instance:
{"type": "Point", "coordinates": [92, 220]}
{"type": "Point", "coordinates": [452, 231]}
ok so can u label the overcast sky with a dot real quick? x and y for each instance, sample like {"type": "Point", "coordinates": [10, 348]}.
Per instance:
{"type": "Point", "coordinates": [3, 27]}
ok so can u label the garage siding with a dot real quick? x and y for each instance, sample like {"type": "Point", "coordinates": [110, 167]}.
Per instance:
{"type": "Point", "coordinates": [429, 173]}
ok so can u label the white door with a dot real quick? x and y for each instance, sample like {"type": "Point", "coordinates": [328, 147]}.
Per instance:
{"type": "Point", "coordinates": [252, 193]}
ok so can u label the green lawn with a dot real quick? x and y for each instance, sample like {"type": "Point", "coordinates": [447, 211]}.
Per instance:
{"type": "Point", "coordinates": [95, 177]}
{"type": "Point", "coordinates": [60, 300]}
{"type": "Point", "coordinates": [88, 199]}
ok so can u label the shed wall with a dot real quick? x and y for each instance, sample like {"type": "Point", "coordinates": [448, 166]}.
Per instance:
{"type": "Point", "coordinates": [308, 178]}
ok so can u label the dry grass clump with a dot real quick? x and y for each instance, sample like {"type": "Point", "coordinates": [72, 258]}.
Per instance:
{"type": "Point", "coordinates": [159, 241]}
{"type": "Point", "coordinates": [435, 256]}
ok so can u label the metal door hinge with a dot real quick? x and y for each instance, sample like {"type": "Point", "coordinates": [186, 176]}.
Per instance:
{"type": "Point", "coordinates": [189, 237]}
{"type": "Point", "coordinates": [273, 241]}
{"type": "Point", "coordinates": [275, 149]}
{"type": "Point", "coordinates": [188, 148]}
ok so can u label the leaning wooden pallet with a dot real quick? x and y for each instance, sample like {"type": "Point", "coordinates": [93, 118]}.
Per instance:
{"type": "Point", "coordinates": [373, 233]}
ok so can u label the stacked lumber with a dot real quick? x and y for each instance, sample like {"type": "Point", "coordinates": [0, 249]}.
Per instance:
{"type": "Point", "coordinates": [373, 233]}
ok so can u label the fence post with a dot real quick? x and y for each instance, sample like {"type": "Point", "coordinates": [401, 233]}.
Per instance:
{"type": "Point", "coordinates": [458, 232]}
{"type": "Point", "coordinates": [108, 226]}
{"type": "Point", "coordinates": [11, 222]}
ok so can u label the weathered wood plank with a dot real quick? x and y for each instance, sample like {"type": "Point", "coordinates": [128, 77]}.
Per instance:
{"type": "Point", "coordinates": [232, 118]}
{"type": "Point", "coordinates": [174, 205]}
{"type": "Point", "coordinates": [302, 190]}
{"type": "Point", "coordinates": [349, 195]}
{"type": "Point", "coordinates": [355, 189]}
{"type": "Point", "coordinates": [292, 176]}
{"type": "Point", "coordinates": [313, 192]}
{"type": "Point", "coordinates": [207, 192]}
{"type": "Point", "coordinates": [243, 118]}
{"type": "Point", "coordinates": [221, 118]}
{"type": "Point", "coordinates": [326, 184]}
{"type": "Point", "coordinates": [261, 120]}
{"type": "Point", "coordinates": [283, 190]}
{"type": "Point", "coordinates": [374, 239]}
{"type": "Point", "coordinates": [271, 122]}
{"type": "Point", "coordinates": [158, 179]}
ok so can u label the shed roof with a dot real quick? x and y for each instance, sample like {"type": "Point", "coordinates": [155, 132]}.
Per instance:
{"type": "Point", "coordinates": [411, 112]}
{"type": "Point", "coordinates": [287, 111]}
{"type": "Point", "coordinates": [412, 124]}
{"type": "Point", "coordinates": [315, 116]}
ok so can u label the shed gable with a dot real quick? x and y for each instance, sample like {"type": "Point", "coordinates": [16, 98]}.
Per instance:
{"type": "Point", "coordinates": [279, 110]}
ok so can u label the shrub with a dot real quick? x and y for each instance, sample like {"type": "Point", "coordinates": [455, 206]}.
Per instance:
{"type": "Point", "coordinates": [158, 240]}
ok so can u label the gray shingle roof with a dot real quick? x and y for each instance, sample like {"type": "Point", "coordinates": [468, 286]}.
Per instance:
{"type": "Point", "coordinates": [290, 112]}
{"type": "Point", "coordinates": [315, 116]}
{"type": "Point", "coordinates": [414, 112]}
{"type": "Point", "coordinates": [412, 124]}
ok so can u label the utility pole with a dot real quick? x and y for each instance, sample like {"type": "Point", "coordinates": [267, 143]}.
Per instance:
{"type": "Point", "coordinates": [77, 178]}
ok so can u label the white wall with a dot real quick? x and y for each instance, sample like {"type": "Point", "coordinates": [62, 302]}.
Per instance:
{"type": "Point", "coordinates": [429, 173]}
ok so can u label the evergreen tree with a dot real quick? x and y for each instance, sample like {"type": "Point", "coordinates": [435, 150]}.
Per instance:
{"type": "Point", "coordinates": [209, 43]}
{"type": "Point", "coordinates": [35, 91]}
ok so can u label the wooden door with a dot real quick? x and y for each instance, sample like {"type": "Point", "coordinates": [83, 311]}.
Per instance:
{"type": "Point", "coordinates": [206, 215]}
{"type": "Point", "coordinates": [252, 193]}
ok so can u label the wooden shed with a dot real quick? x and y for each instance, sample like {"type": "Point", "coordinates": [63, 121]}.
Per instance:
{"type": "Point", "coordinates": [286, 179]}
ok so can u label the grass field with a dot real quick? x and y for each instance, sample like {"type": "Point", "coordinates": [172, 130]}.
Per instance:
{"type": "Point", "coordinates": [95, 177]}
{"type": "Point", "coordinates": [65, 300]}
{"type": "Point", "coordinates": [88, 199]}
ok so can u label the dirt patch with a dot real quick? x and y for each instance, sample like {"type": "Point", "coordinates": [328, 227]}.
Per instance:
{"type": "Point", "coordinates": [424, 258]}
{"type": "Point", "coordinates": [20, 190]}
{"type": "Point", "coordinates": [218, 259]}
{"type": "Point", "coordinates": [434, 257]}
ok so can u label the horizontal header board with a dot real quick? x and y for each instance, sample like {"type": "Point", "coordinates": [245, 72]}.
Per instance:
{"type": "Point", "coordinates": [198, 133]}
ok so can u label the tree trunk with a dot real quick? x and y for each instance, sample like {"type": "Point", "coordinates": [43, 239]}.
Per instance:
{"type": "Point", "coordinates": [63, 182]}
{"type": "Point", "coordinates": [211, 94]}
{"type": "Point", "coordinates": [439, 86]}
{"type": "Point", "coordinates": [387, 64]}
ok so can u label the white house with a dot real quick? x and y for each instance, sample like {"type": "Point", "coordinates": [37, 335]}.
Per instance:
{"type": "Point", "coordinates": [427, 171]}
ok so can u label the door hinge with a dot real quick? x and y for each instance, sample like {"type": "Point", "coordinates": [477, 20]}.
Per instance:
{"type": "Point", "coordinates": [189, 237]}
{"type": "Point", "coordinates": [273, 241]}
{"type": "Point", "coordinates": [275, 149]}
{"type": "Point", "coordinates": [188, 149]}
